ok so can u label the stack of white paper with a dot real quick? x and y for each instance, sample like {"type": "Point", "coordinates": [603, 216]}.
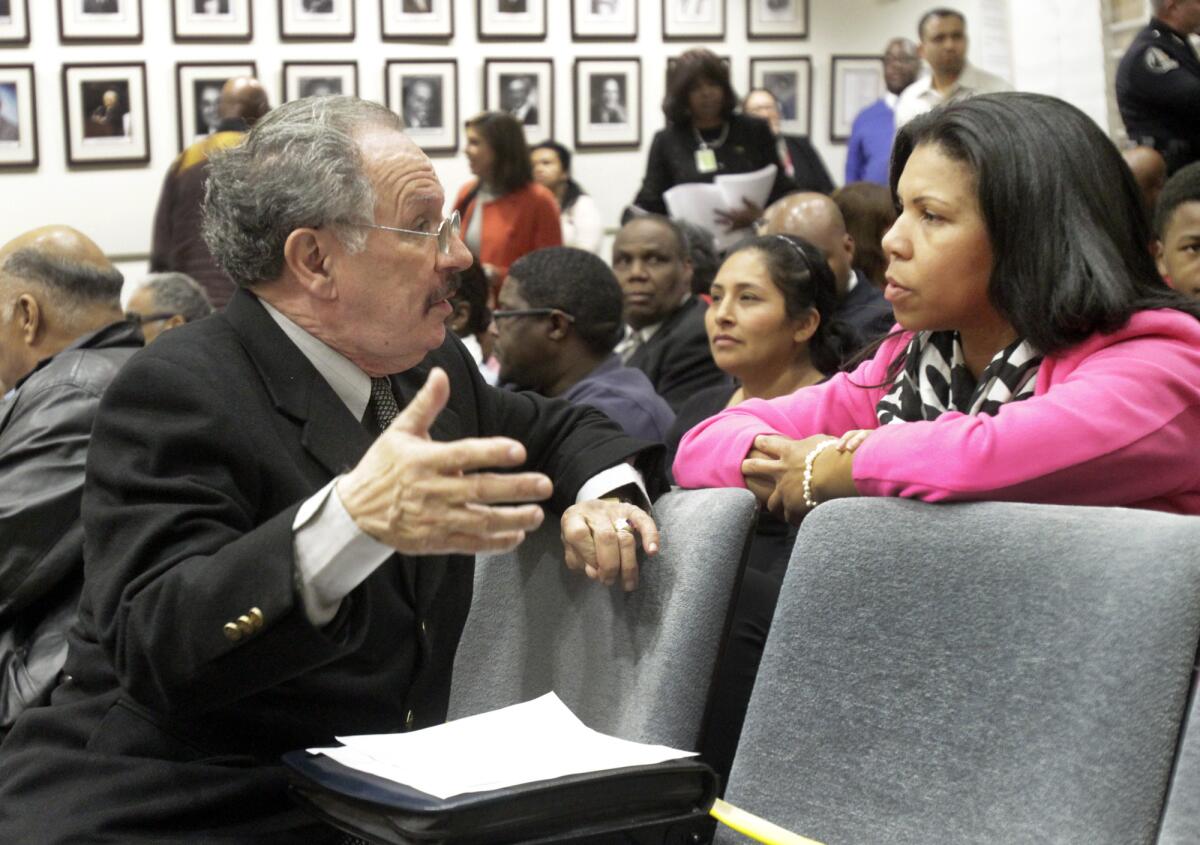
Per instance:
{"type": "Point", "coordinates": [538, 740]}
{"type": "Point", "coordinates": [699, 202]}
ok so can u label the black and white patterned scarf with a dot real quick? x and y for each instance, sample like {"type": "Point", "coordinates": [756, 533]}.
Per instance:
{"type": "Point", "coordinates": [935, 379]}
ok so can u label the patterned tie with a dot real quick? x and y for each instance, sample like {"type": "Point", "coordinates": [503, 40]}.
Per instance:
{"type": "Point", "coordinates": [382, 407]}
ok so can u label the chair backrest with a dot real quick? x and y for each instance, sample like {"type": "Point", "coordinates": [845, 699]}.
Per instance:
{"type": "Point", "coordinates": [636, 665]}
{"type": "Point", "coordinates": [974, 673]}
{"type": "Point", "coordinates": [1181, 820]}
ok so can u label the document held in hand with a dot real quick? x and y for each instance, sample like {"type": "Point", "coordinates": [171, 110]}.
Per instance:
{"type": "Point", "coordinates": [699, 202]}
{"type": "Point", "coordinates": [538, 740]}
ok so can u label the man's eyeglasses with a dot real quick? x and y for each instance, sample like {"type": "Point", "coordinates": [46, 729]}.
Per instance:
{"type": "Point", "coordinates": [532, 312]}
{"type": "Point", "coordinates": [449, 228]}
{"type": "Point", "coordinates": [142, 319]}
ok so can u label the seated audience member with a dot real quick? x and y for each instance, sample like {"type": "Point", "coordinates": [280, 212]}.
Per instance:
{"type": "Point", "coordinates": [665, 335]}
{"type": "Point", "coordinates": [1177, 230]}
{"type": "Point", "coordinates": [817, 219]}
{"type": "Point", "coordinates": [177, 244]}
{"type": "Point", "coordinates": [62, 339]}
{"type": "Point", "coordinates": [251, 481]}
{"type": "Point", "coordinates": [505, 213]}
{"type": "Point", "coordinates": [471, 320]}
{"type": "Point", "coordinates": [558, 321]}
{"type": "Point", "coordinates": [1149, 171]}
{"type": "Point", "coordinates": [1031, 367]}
{"type": "Point", "coordinates": [165, 301]}
{"type": "Point", "coordinates": [871, 134]}
{"type": "Point", "coordinates": [580, 216]}
{"type": "Point", "coordinates": [868, 212]}
{"type": "Point", "coordinates": [702, 252]}
{"type": "Point", "coordinates": [799, 157]}
{"type": "Point", "coordinates": [705, 136]}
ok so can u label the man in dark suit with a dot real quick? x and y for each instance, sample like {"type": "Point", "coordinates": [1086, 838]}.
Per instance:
{"type": "Point", "coordinates": [665, 337]}
{"type": "Point", "coordinates": [62, 339]}
{"type": "Point", "coordinates": [276, 554]}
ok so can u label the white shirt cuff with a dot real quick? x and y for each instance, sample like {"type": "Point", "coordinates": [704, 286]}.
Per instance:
{"type": "Point", "coordinates": [603, 483]}
{"type": "Point", "coordinates": [333, 556]}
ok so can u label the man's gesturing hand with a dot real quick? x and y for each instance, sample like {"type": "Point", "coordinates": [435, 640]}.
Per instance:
{"type": "Point", "coordinates": [422, 497]}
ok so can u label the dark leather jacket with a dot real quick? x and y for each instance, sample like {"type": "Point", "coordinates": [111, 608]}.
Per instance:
{"type": "Point", "coordinates": [45, 426]}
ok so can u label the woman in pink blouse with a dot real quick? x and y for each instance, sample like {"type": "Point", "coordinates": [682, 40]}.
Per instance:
{"type": "Point", "coordinates": [1040, 357]}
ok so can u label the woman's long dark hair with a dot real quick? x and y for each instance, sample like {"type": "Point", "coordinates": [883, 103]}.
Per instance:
{"type": "Point", "coordinates": [1064, 216]}
{"type": "Point", "coordinates": [689, 69]}
{"type": "Point", "coordinates": [799, 270]}
{"type": "Point", "coordinates": [506, 137]}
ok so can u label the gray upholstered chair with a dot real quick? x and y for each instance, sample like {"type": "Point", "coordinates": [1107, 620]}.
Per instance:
{"type": "Point", "coordinates": [976, 673]}
{"type": "Point", "coordinates": [1181, 821]}
{"type": "Point", "coordinates": [636, 665]}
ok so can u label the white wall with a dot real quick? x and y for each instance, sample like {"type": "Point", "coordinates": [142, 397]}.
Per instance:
{"type": "Point", "coordinates": [116, 206]}
{"type": "Point", "coordinates": [1058, 49]}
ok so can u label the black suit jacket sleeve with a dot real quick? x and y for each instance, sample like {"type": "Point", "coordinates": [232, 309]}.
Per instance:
{"type": "Point", "coordinates": [659, 176]}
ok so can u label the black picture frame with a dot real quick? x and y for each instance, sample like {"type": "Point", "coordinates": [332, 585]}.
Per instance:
{"type": "Point", "coordinates": [15, 31]}
{"type": "Point", "coordinates": [491, 23]}
{"type": "Point", "coordinates": [676, 28]}
{"type": "Point", "coordinates": [764, 23]}
{"type": "Point", "coordinates": [498, 77]}
{"type": "Point", "coordinates": [293, 86]}
{"type": "Point", "coordinates": [796, 119]}
{"type": "Point", "coordinates": [207, 77]}
{"type": "Point", "coordinates": [78, 25]}
{"type": "Point", "coordinates": [19, 137]}
{"type": "Point", "coordinates": [292, 26]}
{"type": "Point", "coordinates": [238, 28]}
{"type": "Point", "coordinates": [585, 25]}
{"type": "Point", "coordinates": [440, 137]}
{"type": "Point", "coordinates": [596, 77]}
{"type": "Point", "coordinates": [840, 125]}
{"type": "Point", "coordinates": [124, 142]}
{"type": "Point", "coordinates": [413, 25]}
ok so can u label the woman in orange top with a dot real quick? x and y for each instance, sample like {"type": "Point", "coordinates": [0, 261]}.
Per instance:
{"type": "Point", "coordinates": [505, 214]}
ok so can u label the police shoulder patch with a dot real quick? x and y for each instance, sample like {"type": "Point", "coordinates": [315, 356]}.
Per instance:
{"type": "Point", "coordinates": [1157, 61]}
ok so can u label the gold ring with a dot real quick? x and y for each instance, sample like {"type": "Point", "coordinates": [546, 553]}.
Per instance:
{"type": "Point", "coordinates": [622, 524]}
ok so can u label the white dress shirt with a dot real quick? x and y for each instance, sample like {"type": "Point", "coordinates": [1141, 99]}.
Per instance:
{"type": "Point", "coordinates": [920, 97]}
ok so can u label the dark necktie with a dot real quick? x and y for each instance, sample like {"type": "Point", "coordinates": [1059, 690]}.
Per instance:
{"type": "Point", "coordinates": [382, 408]}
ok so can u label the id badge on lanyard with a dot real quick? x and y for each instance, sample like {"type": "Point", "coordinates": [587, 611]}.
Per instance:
{"type": "Point", "coordinates": [706, 160]}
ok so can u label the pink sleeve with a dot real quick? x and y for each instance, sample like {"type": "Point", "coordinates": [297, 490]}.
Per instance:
{"type": "Point", "coordinates": [711, 454]}
{"type": "Point", "coordinates": [1112, 425]}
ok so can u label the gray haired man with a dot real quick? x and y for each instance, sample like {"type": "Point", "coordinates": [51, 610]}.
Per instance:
{"type": "Point", "coordinates": [165, 301]}
{"type": "Point", "coordinates": [277, 553]}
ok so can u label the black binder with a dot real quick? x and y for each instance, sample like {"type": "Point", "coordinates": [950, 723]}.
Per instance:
{"type": "Point", "coordinates": [662, 803]}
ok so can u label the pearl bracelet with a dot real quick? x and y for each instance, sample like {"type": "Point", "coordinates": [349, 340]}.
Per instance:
{"type": "Point", "coordinates": [810, 500]}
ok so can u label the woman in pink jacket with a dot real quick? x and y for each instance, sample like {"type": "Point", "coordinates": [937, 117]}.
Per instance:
{"type": "Point", "coordinates": [1040, 357]}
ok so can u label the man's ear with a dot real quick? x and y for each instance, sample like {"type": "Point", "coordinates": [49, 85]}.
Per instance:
{"type": "Point", "coordinates": [1160, 252]}
{"type": "Point", "coordinates": [688, 271]}
{"type": "Point", "coordinates": [559, 326]}
{"type": "Point", "coordinates": [30, 318]}
{"type": "Point", "coordinates": [306, 254]}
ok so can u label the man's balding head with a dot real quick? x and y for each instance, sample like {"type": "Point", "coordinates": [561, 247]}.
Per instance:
{"type": "Point", "coordinates": [55, 286]}
{"type": "Point", "coordinates": [244, 97]}
{"type": "Point", "coordinates": [817, 219]}
{"type": "Point", "coordinates": [1150, 171]}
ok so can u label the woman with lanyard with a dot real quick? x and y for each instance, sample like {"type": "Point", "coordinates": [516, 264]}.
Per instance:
{"type": "Point", "coordinates": [1041, 357]}
{"type": "Point", "coordinates": [704, 138]}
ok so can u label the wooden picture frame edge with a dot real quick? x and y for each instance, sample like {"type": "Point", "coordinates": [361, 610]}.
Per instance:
{"type": "Point", "coordinates": [508, 61]}
{"type": "Point", "coordinates": [834, 137]}
{"type": "Point", "coordinates": [283, 69]}
{"type": "Point", "coordinates": [432, 152]}
{"type": "Point", "coordinates": [72, 164]}
{"type": "Point", "coordinates": [751, 36]}
{"type": "Point", "coordinates": [23, 41]}
{"type": "Point", "coordinates": [717, 37]}
{"type": "Point", "coordinates": [482, 38]}
{"type": "Point", "coordinates": [575, 36]}
{"type": "Point", "coordinates": [214, 39]}
{"type": "Point", "coordinates": [592, 147]}
{"type": "Point", "coordinates": [806, 60]}
{"type": "Point", "coordinates": [35, 161]}
{"type": "Point", "coordinates": [318, 37]}
{"type": "Point", "coordinates": [89, 39]}
{"type": "Point", "coordinates": [418, 39]}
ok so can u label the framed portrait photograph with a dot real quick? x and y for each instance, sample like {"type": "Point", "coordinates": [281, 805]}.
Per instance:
{"type": "Point", "coordinates": [604, 20]}
{"type": "Point", "coordinates": [790, 80]}
{"type": "Point", "coordinates": [777, 19]}
{"type": "Point", "coordinates": [104, 112]}
{"type": "Point", "coordinates": [417, 20]}
{"type": "Point", "coordinates": [14, 22]}
{"type": "Point", "coordinates": [212, 20]}
{"type": "Point", "coordinates": [18, 117]}
{"type": "Point", "coordinates": [511, 20]}
{"type": "Point", "coordinates": [524, 89]}
{"type": "Point", "coordinates": [85, 21]}
{"type": "Point", "coordinates": [319, 79]}
{"type": "Point", "coordinates": [854, 83]}
{"type": "Point", "coordinates": [198, 93]}
{"type": "Point", "coordinates": [609, 97]}
{"type": "Point", "coordinates": [693, 20]}
{"type": "Point", "coordinates": [424, 92]}
{"type": "Point", "coordinates": [316, 20]}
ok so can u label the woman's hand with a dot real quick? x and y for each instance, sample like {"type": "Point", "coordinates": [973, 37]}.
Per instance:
{"type": "Point", "coordinates": [782, 467]}
{"type": "Point", "coordinates": [740, 218]}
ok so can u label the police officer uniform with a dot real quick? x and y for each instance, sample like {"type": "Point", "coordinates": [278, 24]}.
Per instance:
{"type": "Point", "coordinates": [1158, 93]}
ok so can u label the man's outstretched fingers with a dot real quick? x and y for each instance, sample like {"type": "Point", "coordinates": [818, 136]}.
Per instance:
{"type": "Point", "coordinates": [627, 547]}
{"type": "Point", "coordinates": [418, 415]}
{"type": "Point", "coordinates": [646, 529]}
{"type": "Point", "coordinates": [471, 544]}
{"type": "Point", "coordinates": [577, 541]}
{"type": "Point", "coordinates": [472, 453]}
{"type": "Point", "coordinates": [489, 487]}
{"type": "Point", "coordinates": [608, 551]}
